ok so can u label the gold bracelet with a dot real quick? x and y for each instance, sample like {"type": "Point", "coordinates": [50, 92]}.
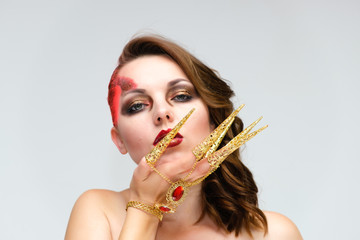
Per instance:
{"type": "Point", "coordinates": [145, 208]}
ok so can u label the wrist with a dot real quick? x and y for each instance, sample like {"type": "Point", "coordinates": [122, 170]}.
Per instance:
{"type": "Point", "coordinates": [150, 209]}
{"type": "Point", "coordinates": [139, 225]}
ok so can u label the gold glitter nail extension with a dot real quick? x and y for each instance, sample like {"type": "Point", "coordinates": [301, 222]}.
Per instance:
{"type": "Point", "coordinates": [161, 146]}
{"type": "Point", "coordinates": [211, 143]}
{"type": "Point", "coordinates": [219, 156]}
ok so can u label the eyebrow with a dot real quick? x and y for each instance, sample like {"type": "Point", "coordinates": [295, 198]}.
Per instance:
{"type": "Point", "coordinates": [170, 84]}
{"type": "Point", "coordinates": [176, 81]}
{"type": "Point", "coordinates": [137, 90]}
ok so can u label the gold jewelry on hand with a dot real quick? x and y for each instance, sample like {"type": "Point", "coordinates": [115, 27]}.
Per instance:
{"type": "Point", "coordinates": [210, 144]}
{"type": "Point", "coordinates": [146, 208]}
{"type": "Point", "coordinates": [219, 156]}
{"type": "Point", "coordinates": [178, 190]}
{"type": "Point", "coordinates": [161, 146]}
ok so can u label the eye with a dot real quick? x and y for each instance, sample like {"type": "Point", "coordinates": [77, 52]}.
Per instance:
{"type": "Point", "coordinates": [183, 97]}
{"type": "Point", "coordinates": [136, 107]}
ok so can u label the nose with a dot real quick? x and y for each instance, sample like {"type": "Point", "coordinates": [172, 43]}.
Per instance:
{"type": "Point", "coordinates": [163, 115]}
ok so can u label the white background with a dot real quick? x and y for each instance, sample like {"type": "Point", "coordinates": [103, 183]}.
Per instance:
{"type": "Point", "coordinates": [294, 62]}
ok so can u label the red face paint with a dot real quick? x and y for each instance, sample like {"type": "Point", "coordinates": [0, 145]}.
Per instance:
{"type": "Point", "coordinates": [126, 84]}
{"type": "Point", "coordinates": [116, 86]}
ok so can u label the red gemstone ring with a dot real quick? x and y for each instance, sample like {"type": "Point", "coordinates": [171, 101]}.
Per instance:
{"type": "Point", "coordinates": [176, 193]}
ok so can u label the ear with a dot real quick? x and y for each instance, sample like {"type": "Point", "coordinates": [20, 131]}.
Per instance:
{"type": "Point", "coordinates": [115, 136]}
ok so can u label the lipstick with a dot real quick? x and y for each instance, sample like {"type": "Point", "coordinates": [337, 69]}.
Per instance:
{"type": "Point", "coordinates": [174, 142]}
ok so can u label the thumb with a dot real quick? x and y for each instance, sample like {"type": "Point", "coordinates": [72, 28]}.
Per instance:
{"type": "Point", "coordinates": [142, 171]}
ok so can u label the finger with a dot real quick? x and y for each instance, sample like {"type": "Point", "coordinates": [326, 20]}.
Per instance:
{"type": "Point", "coordinates": [201, 171]}
{"type": "Point", "coordinates": [176, 168]}
{"type": "Point", "coordinates": [208, 165]}
{"type": "Point", "coordinates": [147, 185]}
{"type": "Point", "coordinates": [160, 148]}
{"type": "Point", "coordinates": [219, 156]}
{"type": "Point", "coordinates": [211, 143]}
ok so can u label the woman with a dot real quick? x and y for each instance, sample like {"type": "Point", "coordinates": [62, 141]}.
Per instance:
{"type": "Point", "coordinates": [154, 86]}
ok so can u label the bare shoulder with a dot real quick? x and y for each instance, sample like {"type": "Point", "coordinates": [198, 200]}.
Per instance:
{"type": "Point", "coordinates": [95, 215]}
{"type": "Point", "coordinates": [281, 227]}
{"type": "Point", "coordinates": [101, 199]}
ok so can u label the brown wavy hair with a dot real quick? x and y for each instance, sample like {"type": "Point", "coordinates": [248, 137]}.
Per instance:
{"type": "Point", "coordinates": [229, 195]}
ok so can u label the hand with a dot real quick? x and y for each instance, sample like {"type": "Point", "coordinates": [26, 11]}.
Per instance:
{"type": "Point", "coordinates": [207, 161]}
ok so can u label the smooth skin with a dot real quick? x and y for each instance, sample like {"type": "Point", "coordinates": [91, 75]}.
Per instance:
{"type": "Point", "coordinates": [163, 96]}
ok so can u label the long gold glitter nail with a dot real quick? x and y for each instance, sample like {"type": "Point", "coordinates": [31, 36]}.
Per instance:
{"type": "Point", "coordinates": [219, 156]}
{"type": "Point", "coordinates": [211, 143]}
{"type": "Point", "coordinates": [161, 146]}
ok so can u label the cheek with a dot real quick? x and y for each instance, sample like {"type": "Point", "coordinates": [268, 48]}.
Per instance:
{"type": "Point", "coordinates": [136, 139]}
{"type": "Point", "coordinates": [201, 124]}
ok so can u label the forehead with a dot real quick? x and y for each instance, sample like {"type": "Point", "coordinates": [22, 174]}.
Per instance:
{"type": "Point", "coordinates": [151, 70]}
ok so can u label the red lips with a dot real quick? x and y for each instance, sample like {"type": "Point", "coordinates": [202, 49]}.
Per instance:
{"type": "Point", "coordinates": [176, 140]}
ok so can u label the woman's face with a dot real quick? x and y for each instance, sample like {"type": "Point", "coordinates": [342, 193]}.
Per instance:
{"type": "Point", "coordinates": [155, 96]}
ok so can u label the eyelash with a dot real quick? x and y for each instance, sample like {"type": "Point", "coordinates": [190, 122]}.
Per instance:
{"type": "Point", "coordinates": [134, 108]}
{"type": "Point", "coordinates": [138, 106]}
{"type": "Point", "coordinates": [182, 97]}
